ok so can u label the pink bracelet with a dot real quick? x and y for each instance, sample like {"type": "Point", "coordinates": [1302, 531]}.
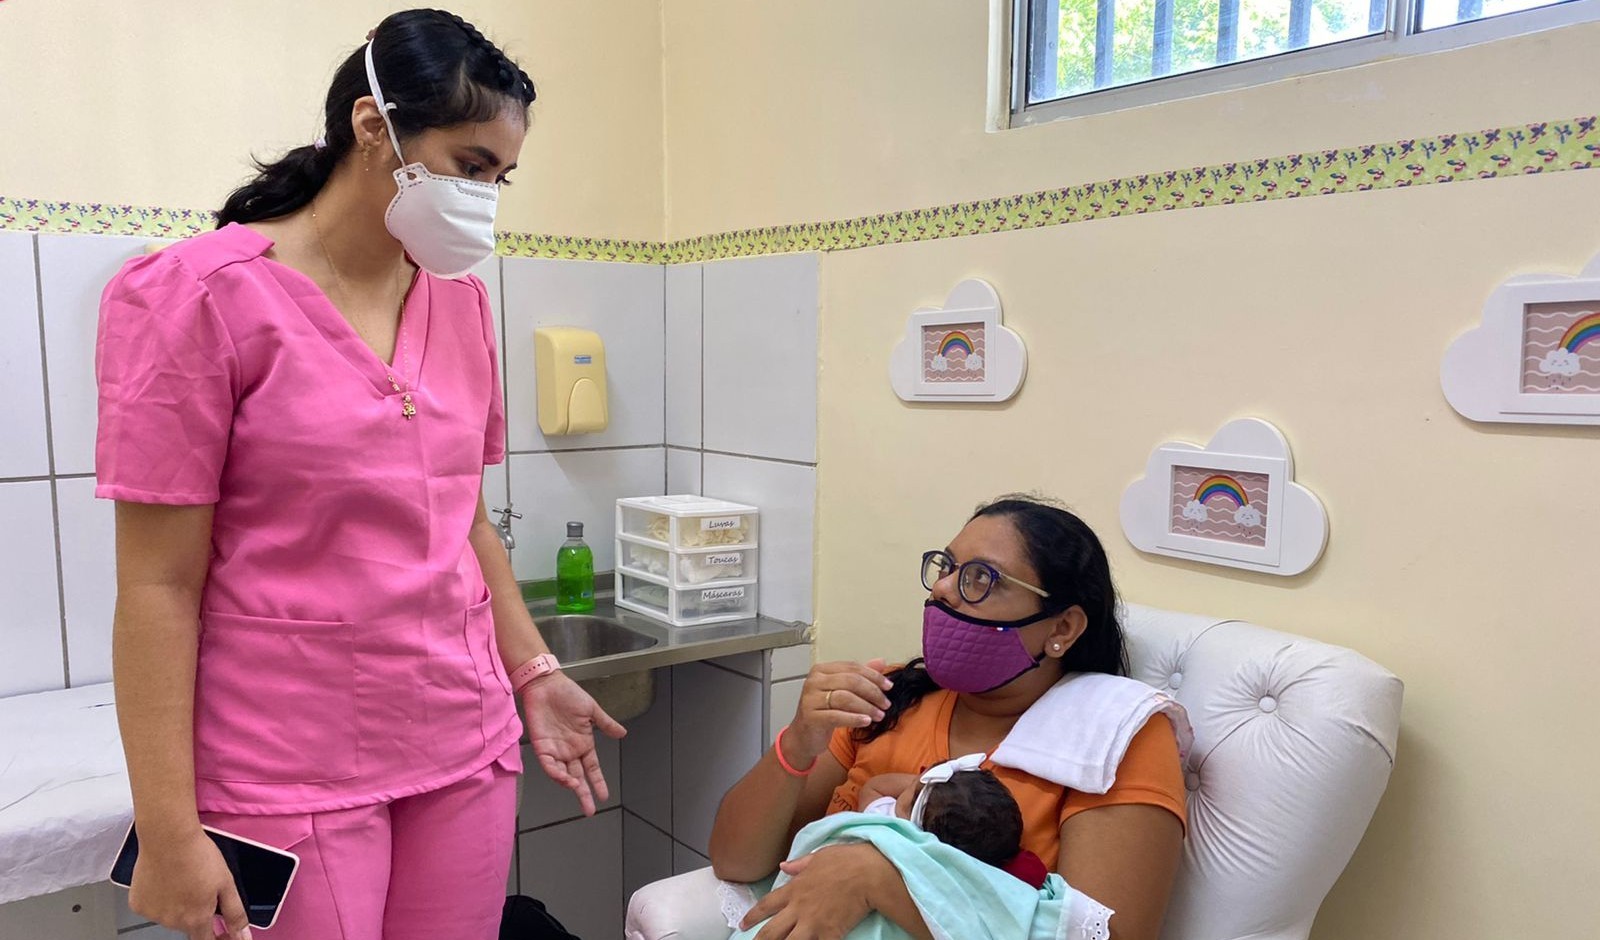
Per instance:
{"type": "Point", "coordinates": [777, 748]}
{"type": "Point", "coordinates": [535, 668]}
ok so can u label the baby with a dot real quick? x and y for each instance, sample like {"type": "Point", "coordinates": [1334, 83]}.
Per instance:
{"type": "Point", "coordinates": [962, 805]}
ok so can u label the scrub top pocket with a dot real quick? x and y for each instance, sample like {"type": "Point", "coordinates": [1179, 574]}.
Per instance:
{"type": "Point", "coordinates": [275, 700]}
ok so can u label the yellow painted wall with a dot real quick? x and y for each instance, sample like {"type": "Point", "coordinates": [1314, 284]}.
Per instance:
{"type": "Point", "coordinates": [1460, 556]}
{"type": "Point", "coordinates": [161, 102]}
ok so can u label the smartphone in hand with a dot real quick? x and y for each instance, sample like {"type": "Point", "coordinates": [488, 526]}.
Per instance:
{"type": "Point", "coordinates": [261, 873]}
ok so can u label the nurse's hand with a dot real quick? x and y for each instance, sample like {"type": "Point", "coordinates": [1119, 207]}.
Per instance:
{"type": "Point", "coordinates": [561, 719]}
{"type": "Point", "coordinates": [180, 885]}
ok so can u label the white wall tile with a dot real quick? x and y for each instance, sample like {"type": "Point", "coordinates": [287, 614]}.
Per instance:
{"type": "Point", "coordinates": [575, 868]}
{"type": "Point", "coordinates": [686, 859]}
{"type": "Point", "coordinates": [683, 354]}
{"type": "Point", "coordinates": [647, 759]}
{"type": "Point", "coordinates": [761, 356]}
{"type": "Point", "coordinates": [716, 739]}
{"type": "Point", "coordinates": [544, 801]}
{"type": "Point", "coordinates": [89, 574]}
{"type": "Point", "coordinates": [791, 662]}
{"type": "Point", "coordinates": [26, 452]}
{"type": "Point", "coordinates": [73, 270]}
{"type": "Point", "coordinates": [785, 698]}
{"type": "Point", "coordinates": [30, 605]}
{"type": "Point", "coordinates": [621, 302]}
{"type": "Point", "coordinates": [683, 472]}
{"type": "Point", "coordinates": [786, 494]}
{"type": "Point", "coordinates": [646, 854]}
{"type": "Point", "coordinates": [551, 490]}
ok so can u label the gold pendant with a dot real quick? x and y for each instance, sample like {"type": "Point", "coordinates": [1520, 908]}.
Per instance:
{"type": "Point", "coordinates": [407, 408]}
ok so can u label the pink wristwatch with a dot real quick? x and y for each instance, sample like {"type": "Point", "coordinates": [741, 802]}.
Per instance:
{"type": "Point", "coordinates": [538, 666]}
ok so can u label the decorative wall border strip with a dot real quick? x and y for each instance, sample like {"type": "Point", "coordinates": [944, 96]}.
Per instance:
{"type": "Point", "coordinates": [1545, 147]}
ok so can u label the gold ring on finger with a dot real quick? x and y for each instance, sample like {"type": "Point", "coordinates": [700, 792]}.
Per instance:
{"type": "Point", "coordinates": [828, 701]}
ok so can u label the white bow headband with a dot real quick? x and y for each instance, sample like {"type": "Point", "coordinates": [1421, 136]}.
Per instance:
{"type": "Point", "coordinates": [941, 773]}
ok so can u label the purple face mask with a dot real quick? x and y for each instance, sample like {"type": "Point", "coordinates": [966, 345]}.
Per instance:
{"type": "Point", "coordinates": [966, 654]}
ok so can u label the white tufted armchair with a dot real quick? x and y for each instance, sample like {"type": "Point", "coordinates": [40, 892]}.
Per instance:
{"type": "Point", "coordinates": [1294, 740]}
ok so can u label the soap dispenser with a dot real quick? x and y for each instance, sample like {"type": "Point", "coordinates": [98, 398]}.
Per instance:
{"type": "Point", "coordinates": [569, 368]}
{"type": "Point", "coordinates": [574, 573]}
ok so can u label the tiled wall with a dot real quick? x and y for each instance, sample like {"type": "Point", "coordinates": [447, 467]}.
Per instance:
{"type": "Point", "coordinates": [56, 574]}
{"type": "Point", "coordinates": [738, 358]}
{"type": "Point", "coordinates": [753, 325]}
{"type": "Point", "coordinates": [732, 342]}
{"type": "Point", "coordinates": [579, 478]}
{"type": "Point", "coordinates": [734, 345]}
{"type": "Point", "coordinates": [741, 416]}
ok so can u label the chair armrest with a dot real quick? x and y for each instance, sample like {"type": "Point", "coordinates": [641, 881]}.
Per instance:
{"type": "Point", "coordinates": [683, 907]}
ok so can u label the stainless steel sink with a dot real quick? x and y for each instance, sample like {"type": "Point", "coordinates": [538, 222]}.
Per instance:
{"type": "Point", "coordinates": [575, 638]}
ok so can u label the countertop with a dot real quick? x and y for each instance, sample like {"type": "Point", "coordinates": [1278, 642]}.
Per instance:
{"type": "Point", "coordinates": [676, 645]}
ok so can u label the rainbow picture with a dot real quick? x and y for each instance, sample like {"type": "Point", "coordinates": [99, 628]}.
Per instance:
{"type": "Point", "coordinates": [1223, 486]}
{"type": "Point", "coordinates": [955, 340]}
{"type": "Point", "coordinates": [1585, 331]}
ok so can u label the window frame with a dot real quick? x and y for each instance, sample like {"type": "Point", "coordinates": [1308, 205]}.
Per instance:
{"type": "Point", "coordinates": [1400, 38]}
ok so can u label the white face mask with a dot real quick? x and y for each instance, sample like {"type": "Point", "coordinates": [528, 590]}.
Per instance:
{"type": "Point", "coordinates": [445, 223]}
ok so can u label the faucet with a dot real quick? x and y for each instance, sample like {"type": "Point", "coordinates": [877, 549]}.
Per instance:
{"type": "Point", "coordinates": [504, 526]}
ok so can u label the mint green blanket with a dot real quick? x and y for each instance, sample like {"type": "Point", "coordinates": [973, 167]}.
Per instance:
{"type": "Point", "coordinates": [959, 897]}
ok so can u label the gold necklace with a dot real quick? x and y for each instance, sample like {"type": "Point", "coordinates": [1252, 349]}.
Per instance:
{"type": "Point", "coordinates": [408, 409]}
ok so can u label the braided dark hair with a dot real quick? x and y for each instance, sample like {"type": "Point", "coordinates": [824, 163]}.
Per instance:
{"type": "Point", "coordinates": [1072, 565]}
{"type": "Point", "coordinates": [509, 77]}
{"type": "Point", "coordinates": [436, 68]}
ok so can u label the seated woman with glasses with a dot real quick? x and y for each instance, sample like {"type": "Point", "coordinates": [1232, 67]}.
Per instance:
{"type": "Point", "coordinates": [1020, 600]}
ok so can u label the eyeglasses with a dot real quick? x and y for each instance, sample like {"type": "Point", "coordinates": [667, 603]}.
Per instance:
{"type": "Point", "coordinates": [977, 578]}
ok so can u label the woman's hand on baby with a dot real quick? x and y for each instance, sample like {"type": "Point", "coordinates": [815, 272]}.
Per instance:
{"type": "Point", "coordinates": [826, 898]}
{"type": "Point", "coordinates": [835, 695]}
{"type": "Point", "coordinates": [561, 720]}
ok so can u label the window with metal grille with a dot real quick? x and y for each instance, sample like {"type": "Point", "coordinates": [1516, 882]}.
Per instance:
{"type": "Point", "coordinates": [1092, 55]}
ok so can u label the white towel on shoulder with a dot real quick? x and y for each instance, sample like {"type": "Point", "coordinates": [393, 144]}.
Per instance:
{"type": "Point", "coordinates": [1077, 733]}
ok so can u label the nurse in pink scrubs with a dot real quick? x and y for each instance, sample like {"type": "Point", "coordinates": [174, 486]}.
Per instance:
{"type": "Point", "coordinates": [318, 637]}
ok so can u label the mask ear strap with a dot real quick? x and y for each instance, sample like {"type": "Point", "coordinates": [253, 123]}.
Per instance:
{"type": "Point", "coordinates": [384, 107]}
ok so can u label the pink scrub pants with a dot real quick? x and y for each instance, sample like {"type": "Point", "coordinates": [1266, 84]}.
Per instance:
{"type": "Point", "coordinates": [418, 868]}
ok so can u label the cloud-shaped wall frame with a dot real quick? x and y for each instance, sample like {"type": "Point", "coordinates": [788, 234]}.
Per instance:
{"type": "Point", "coordinates": [959, 352]}
{"type": "Point", "coordinates": [1535, 357]}
{"type": "Point", "coordinates": [1233, 502]}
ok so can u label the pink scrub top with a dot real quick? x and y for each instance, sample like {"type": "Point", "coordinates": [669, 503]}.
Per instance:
{"type": "Point", "coordinates": [347, 652]}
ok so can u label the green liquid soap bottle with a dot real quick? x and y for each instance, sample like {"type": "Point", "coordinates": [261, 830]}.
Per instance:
{"type": "Point", "coordinates": [574, 573]}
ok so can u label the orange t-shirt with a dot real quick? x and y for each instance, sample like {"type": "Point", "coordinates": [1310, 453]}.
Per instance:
{"type": "Point", "coordinates": [1149, 773]}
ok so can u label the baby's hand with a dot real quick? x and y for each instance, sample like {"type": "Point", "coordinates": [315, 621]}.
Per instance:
{"type": "Point", "coordinates": [884, 785]}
